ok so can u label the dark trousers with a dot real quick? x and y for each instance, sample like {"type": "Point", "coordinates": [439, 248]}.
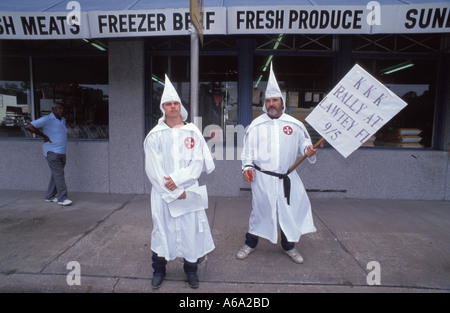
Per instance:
{"type": "Point", "coordinates": [159, 266]}
{"type": "Point", "coordinates": [252, 241]}
{"type": "Point", "coordinates": [57, 185]}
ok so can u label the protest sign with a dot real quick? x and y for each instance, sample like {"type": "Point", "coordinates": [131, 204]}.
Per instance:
{"type": "Point", "coordinates": [356, 108]}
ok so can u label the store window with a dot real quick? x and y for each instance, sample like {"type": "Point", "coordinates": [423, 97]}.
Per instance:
{"type": "Point", "coordinates": [415, 82]}
{"type": "Point", "coordinates": [82, 85]}
{"type": "Point", "coordinates": [304, 81]}
{"type": "Point", "coordinates": [218, 98]}
{"type": "Point", "coordinates": [15, 99]}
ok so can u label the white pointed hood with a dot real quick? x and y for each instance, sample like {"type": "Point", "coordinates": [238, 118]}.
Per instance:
{"type": "Point", "coordinates": [273, 90]}
{"type": "Point", "coordinates": [170, 94]}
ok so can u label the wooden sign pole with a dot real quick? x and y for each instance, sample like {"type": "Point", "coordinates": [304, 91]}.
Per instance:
{"type": "Point", "coordinates": [304, 156]}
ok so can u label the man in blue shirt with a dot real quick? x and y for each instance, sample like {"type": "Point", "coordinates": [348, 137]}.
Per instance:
{"type": "Point", "coordinates": [54, 132]}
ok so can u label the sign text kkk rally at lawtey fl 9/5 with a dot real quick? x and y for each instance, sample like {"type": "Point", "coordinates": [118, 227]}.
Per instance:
{"type": "Point", "coordinates": [356, 108]}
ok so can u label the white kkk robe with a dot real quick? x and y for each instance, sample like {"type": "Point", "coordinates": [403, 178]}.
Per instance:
{"type": "Point", "coordinates": [180, 227]}
{"type": "Point", "coordinates": [275, 145]}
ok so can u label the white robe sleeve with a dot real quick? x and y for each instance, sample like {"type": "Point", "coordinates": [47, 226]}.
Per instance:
{"type": "Point", "coordinates": [248, 152]}
{"type": "Point", "coordinates": [154, 170]}
{"type": "Point", "coordinates": [305, 141]}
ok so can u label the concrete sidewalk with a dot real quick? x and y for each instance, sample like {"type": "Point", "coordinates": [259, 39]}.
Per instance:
{"type": "Point", "coordinates": [109, 236]}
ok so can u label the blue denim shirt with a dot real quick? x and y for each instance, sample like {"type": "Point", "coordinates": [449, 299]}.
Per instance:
{"type": "Point", "coordinates": [56, 130]}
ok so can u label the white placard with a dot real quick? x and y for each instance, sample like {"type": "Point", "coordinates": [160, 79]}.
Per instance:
{"type": "Point", "coordinates": [356, 108]}
{"type": "Point", "coordinates": [196, 200]}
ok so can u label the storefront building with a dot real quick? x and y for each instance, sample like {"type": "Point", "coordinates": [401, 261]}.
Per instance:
{"type": "Point", "coordinates": [108, 69]}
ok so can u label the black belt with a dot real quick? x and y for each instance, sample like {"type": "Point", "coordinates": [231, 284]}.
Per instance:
{"type": "Point", "coordinates": [284, 177]}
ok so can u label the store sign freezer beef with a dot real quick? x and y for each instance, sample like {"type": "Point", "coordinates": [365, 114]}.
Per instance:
{"type": "Point", "coordinates": [153, 23]}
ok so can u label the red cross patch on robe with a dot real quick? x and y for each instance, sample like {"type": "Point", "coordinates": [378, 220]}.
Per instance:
{"type": "Point", "coordinates": [189, 142]}
{"type": "Point", "coordinates": [287, 130]}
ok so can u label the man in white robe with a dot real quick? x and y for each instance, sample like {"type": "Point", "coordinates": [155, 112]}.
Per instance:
{"type": "Point", "coordinates": [272, 144]}
{"type": "Point", "coordinates": [175, 155]}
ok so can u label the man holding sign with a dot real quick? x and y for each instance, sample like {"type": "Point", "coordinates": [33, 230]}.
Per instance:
{"type": "Point", "coordinates": [272, 144]}
{"type": "Point", "coordinates": [356, 108]}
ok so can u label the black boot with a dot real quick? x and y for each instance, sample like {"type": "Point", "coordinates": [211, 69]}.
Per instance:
{"type": "Point", "coordinates": [159, 267]}
{"type": "Point", "coordinates": [191, 271]}
{"type": "Point", "coordinates": [157, 281]}
{"type": "Point", "coordinates": [192, 280]}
